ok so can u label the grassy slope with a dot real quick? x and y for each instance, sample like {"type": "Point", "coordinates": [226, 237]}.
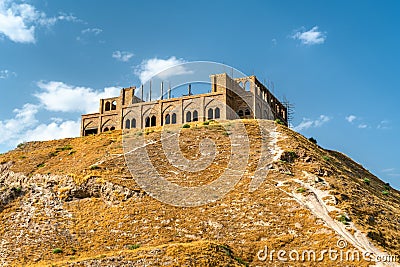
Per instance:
{"type": "Point", "coordinates": [243, 221]}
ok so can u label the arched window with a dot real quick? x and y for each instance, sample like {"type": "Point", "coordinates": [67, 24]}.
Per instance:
{"type": "Point", "coordinates": [106, 129]}
{"type": "Point", "coordinates": [210, 114]}
{"type": "Point", "coordinates": [147, 122]}
{"type": "Point", "coordinates": [107, 106]}
{"type": "Point", "coordinates": [195, 116]}
{"type": "Point", "coordinates": [114, 105]}
{"type": "Point", "coordinates": [167, 119]}
{"type": "Point", "coordinates": [153, 120]}
{"type": "Point", "coordinates": [217, 113]}
{"type": "Point", "coordinates": [240, 113]}
{"type": "Point", "coordinates": [188, 116]}
{"type": "Point", "coordinates": [112, 128]}
{"type": "Point", "coordinates": [247, 86]}
{"type": "Point", "coordinates": [128, 124]}
{"type": "Point", "coordinates": [247, 112]}
{"type": "Point", "coordinates": [133, 123]}
{"type": "Point", "coordinates": [173, 118]}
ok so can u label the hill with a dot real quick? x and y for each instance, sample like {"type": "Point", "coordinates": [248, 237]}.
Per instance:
{"type": "Point", "coordinates": [74, 202]}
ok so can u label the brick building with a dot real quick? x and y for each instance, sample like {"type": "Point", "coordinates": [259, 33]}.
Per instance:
{"type": "Point", "coordinates": [229, 99]}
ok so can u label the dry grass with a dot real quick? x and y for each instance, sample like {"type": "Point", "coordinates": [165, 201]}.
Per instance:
{"type": "Point", "coordinates": [244, 221]}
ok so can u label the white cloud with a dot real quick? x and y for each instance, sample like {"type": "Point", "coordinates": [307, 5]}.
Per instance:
{"type": "Point", "coordinates": [388, 170]}
{"type": "Point", "coordinates": [94, 31]}
{"type": "Point", "coordinates": [123, 56]}
{"type": "Point", "coordinates": [274, 42]}
{"type": "Point", "coordinates": [25, 127]}
{"type": "Point", "coordinates": [163, 68]}
{"type": "Point", "coordinates": [350, 118]}
{"type": "Point", "coordinates": [68, 17]}
{"type": "Point", "coordinates": [23, 119]}
{"type": "Point", "coordinates": [58, 96]}
{"type": "Point", "coordinates": [362, 126]}
{"type": "Point", "coordinates": [4, 74]}
{"type": "Point", "coordinates": [391, 172]}
{"type": "Point", "coordinates": [310, 37]}
{"type": "Point", "coordinates": [54, 130]}
{"type": "Point", "coordinates": [308, 123]}
{"type": "Point", "coordinates": [18, 21]}
{"type": "Point", "coordinates": [384, 125]}
{"type": "Point", "coordinates": [53, 97]}
{"type": "Point", "coordinates": [89, 34]}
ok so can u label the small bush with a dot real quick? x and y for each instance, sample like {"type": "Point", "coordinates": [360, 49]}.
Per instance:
{"type": "Point", "coordinates": [41, 165]}
{"type": "Point", "coordinates": [387, 186]}
{"type": "Point", "coordinates": [94, 167]}
{"type": "Point", "coordinates": [132, 247]}
{"type": "Point", "coordinates": [301, 190]}
{"type": "Point", "coordinates": [278, 121]}
{"type": "Point", "coordinates": [313, 140]}
{"type": "Point", "coordinates": [64, 148]}
{"type": "Point", "coordinates": [139, 133]}
{"type": "Point", "coordinates": [288, 156]}
{"type": "Point", "coordinates": [366, 181]}
{"type": "Point", "coordinates": [57, 251]}
{"type": "Point", "coordinates": [226, 133]}
{"type": "Point", "coordinates": [206, 123]}
{"type": "Point", "coordinates": [53, 154]}
{"type": "Point", "coordinates": [326, 158]}
{"type": "Point", "coordinates": [385, 192]}
{"type": "Point", "coordinates": [186, 126]}
{"type": "Point", "coordinates": [226, 249]}
{"type": "Point", "coordinates": [17, 189]}
{"type": "Point", "coordinates": [343, 219]}
{"type": "Point", "coordinates": [22, 157]}
{"type": "Point", "coordinates": [21, 145]}
{"type": "Point", "coordinates": [149, 132]}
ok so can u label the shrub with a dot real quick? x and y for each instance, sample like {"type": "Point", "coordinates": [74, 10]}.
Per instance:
{"type": "Point", "coordinates": [186, 126]}
{"type": "Point", "coordinates": [21, 145]}
{"type": "Point", "coordinates": [17, 189]}
{"type": "Point", "coordinates": [226, 249]}
{"type": "Point", "coordinates": [301, 190]}
{"type": "Point", "coordinates": [312, 140]}
{"type": "Point", "coordinates": [226, 133]}
{"type": "Point", "coordinates": [53, 154]}
{"type": "Point", "coordinates": [343, 219]}
{"type": "Point", "coordinates": [366, 181]}
{"type": "Point", "coordinates": [64, 148]}
{"type": "Point", "coordinates": [94, 167]}
{"type": "Point", "coordinates": [326, 158]}
{"type": "Point", "coordinates": [41, 165]}
{"type": "Point", "coordinates": [206, 123]}
{"type": "Point", "coordinates": [132, 247]}
{"type": "Point", "coordinates": [387, 186]}
{"type": "Point", "coordinates": [385, 192]}
{"type": "Point", "coordinates": [57, 251]}
{"type": "Point", "coordinates": [278, 121]}
{"type": "Point", "coordinates": [288, 156]}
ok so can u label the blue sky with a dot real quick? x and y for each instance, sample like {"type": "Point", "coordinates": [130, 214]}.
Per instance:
{"type": "Point", "coordinates": [337, 61]}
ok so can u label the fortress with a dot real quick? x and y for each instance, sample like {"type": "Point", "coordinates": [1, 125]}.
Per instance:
{"type": "Point", "coordinates": [229, 99]}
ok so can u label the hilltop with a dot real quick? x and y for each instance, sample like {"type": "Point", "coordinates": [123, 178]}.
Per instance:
{"type": "Point", "coordinates": [74, 202]}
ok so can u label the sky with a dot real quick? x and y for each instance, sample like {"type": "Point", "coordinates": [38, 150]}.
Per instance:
{"type": "Point", "coordinates": [337, 62]}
